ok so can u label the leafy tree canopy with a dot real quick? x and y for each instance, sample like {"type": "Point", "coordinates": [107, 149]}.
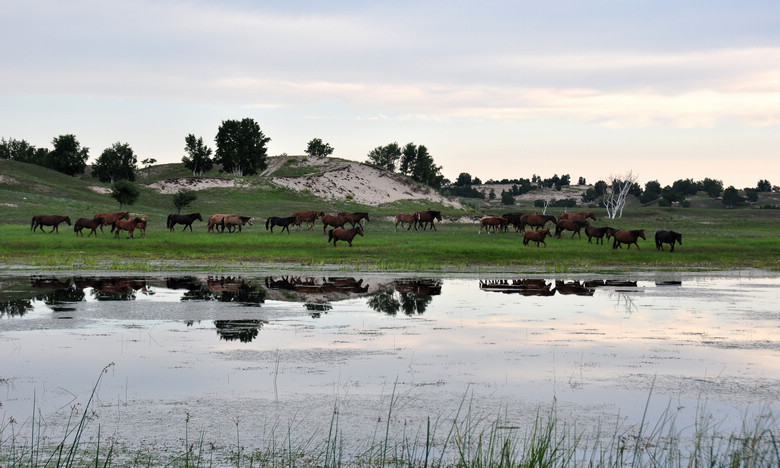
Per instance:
{"type": "Point", "coordinates": [317, 149]}
{"type": "Point", "coordinates": [241, 147]}
{"type": "Point", "coordinates": [764, 186]}
{"type": "Point", "coordinates": [198, 158]}
{"type": "Point", "coordinates": [418, 164]}
{"type": "Point", "coordinates": [125, 192]}
{"type": "Point", "coordinates": [732, 198]}
{"type": "Point", "coordinates": [183, 198]}
{"type": "Point", "coordinates": [68, 156]}
{"type": "Point", "coordinates": [115, 163]}
{"type": "Point", "coordinates": [385, 157]}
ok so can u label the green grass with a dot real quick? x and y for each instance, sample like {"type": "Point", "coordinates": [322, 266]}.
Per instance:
{"type": "Point", "coordinates": [714, 238]}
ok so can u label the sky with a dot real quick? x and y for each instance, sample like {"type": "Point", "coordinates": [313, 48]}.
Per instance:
{"type": "Point", "coordinates": [662, 90]}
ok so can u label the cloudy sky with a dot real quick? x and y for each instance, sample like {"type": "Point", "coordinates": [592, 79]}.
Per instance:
{"type": "Point", "coordinates": [664, 89]}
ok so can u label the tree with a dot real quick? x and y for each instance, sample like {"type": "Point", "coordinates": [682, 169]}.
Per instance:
{"type": "Point", "coordinates": [418, 164]}
{"type": "Point", "coordinates": [148, 163]}
{"type": "Point", "coordinates": [616, 197]}
{"type": "Point", "coordinates": [68, 156]}
{"type": "Point", "coordinates": [241, 147]}
{"type": "Point", "coordinates": [183, 198]}
{"type": "Point", "coordinates": [492, 194]}
{"type": "Point", "coordinates": [317, 149]}
{"type": "Point", "coordinates": [581, 181]}
{"type": "Point", "coordinates": [198, 158]}
{"type": "Point", "coordinates": [764, 186]}
{"type": "Point", "coordinates": [125, 192]}
{"type": "Point", "coordinates": [652, 192]}
{"type": "Point", "coordinates": [115, 163]}
{"type": "Point", "coordinates": [507, 198]}
{"type": "Point", "coordinates": [732, 198]}
{"type": "Point", "coordinates": [20, 150]}
{"type": "Point", "coordinates": [713, 187]}
{"type": "Point", "coordinates": [464, 178]}
{"type": "Point", "coordinates": [385, 157]}
{"type": "Point", "coordinates": [751, 195]}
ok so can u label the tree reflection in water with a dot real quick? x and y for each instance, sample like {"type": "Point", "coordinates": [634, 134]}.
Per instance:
{"type": "Point", "coordinates": [238, 330]}
{"type": "Point", "coordinates": [410, 296]}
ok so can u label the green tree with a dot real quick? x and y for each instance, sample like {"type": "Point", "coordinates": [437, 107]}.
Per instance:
{"type": "Point", "coordinates": [241, 147]}
{"type": "Point", "coordinates": [418, 164]}
{"type": "Point", "coordinates": [507, 198]}
{"type": "Point", "coordinates": [385, 157]}
{"type": "Point", "coordinates": [581, 181]}
{"type": "Point", "coordinates": [115, 163]}
{"type": "Point", "coordinates": [68, 156]}
{"type": "Point", "coordinates": [198, 158]}
{"type": "Point", "coordinates": [713, 187]}
{"type": "Point", "coordinates": [732, 198]}
{"type": "Point", "coordinates": [183, 198]}
{"type": "Point", "coordinates": [652, 192]}
{"type": "Point", "coordinates": [22, 151]}
{"type": "Point", "coordinates": [317, 149]}
{"type": "Point", "coordinates": [764, 186]}
{"type": "Point", "coordinates": [464, 178]}
{"type": "Point", "coordinates": [125, 192]}
{"type": "Point", "coordinates": [751, 195]}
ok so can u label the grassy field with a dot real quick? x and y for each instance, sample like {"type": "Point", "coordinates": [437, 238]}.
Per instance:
{"type": "Point", "coordinates": [714, 238]}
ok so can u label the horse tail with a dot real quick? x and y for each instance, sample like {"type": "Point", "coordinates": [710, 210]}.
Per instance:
{"type": "Point", "coordinates": [168, 222]}
{"type": "Point", "coordinates": [266, 223]}
{"type": "Point", "coordinates": [32, 223]}
{"type": "Point", "coordinates": [330, 236]}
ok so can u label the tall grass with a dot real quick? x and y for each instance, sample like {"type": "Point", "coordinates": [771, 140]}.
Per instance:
{"type": "Point", "coordinates": [466, 439]}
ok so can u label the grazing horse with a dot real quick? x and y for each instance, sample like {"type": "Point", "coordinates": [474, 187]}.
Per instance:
{"type": "Point", "coordinates": [307, 217]}
{"type": "Point", "coordinates": [515, 219]}
{"type": "Point", "coordinates": [283, 222]}
{"type": "Point", "coordinates": [628, 237]}
{"type": "Point", "coordinates": [536, 236]}
{"type": "Point", "coordinates": [582, 216]}
{"type": "Point", "coordinates": [232, 222]}
{"type": "Point", "coordinates": [494, 222]}
{"type": "Point", "coordinates": [186, 220]}
{"type": "Point", "coordinates": [535, 220]}
{"type": "Point", "coordinates": [335, 221]}
{"type": "Point", "coordinates": [428, 216]}
{"type": "Point", "coordinates": [356, 218]}
{"type": "Point", "coordinates": [574, 225]}
{"type": "Point", "coordinates": [111, 218]}
{"type": "Point", "coordinates": [402, 218]}
{"type": "Point", "coordinates": [48, 220]}
{"type": "Point", "coordinates": [336, 235]}
{"type": "Point", "coordinates": [599, 233]}
{"type": "Point", "coordinates": [91, 224]}
{"type": "Point", "coordinates": [129, 226]}
{"type": "Point", "coordinates": [667, 237]}
{"type": "Point", "coordinates": [218, 220]}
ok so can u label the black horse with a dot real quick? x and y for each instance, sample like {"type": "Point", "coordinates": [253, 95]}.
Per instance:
{"type": "Point", "coordinates": [667, 237]}
{"type": "Point", "coordinates": [186, 220]}
{"type": "Point", "coordinates": [283, 222]}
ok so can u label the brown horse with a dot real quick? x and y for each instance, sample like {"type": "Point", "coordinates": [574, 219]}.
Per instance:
{"type": "Point", "coordinates": [91, 224]}
{"type": "Point", "coordinates": [335, 221]}
{"type": "Point", "coordinates": [428, 216]}
{"type": "Point", "coordinates": [218, 220]}
{"type": "Point", "coordinates": [582, 216]}
{"type": "Point", "coordinates": [355, 218]}
{"type": "Point", "coordinates": [410, 218]}
{"type": "Point", "coordinates": [142, 226]}
{"type": "Point", "coordinates": [628, 237]}
{"type": "Point", "coordinates": [515, 219]}
{"type": "Point", "coordinates": [232, 222]}
{"type": "Point", "coordinates": [111, 218]}
{"type": "Point", "coordinates": [493, 222]}
{"type": "Point", "coordinates": [336, 235]}
{"type": "Point", "coordinates": [535, 220]}
{"type": "Point", "coordinates": [599, 233]}
{"type": "Point", "coordinates": [129, 226]}
{"type": "Point", "coordinates": [307, 217]}
{"type": "Point", "coordinates": [48, 220]}
{"type": "Point", "coordinates": [574, 225]}
{"type": "Point", "coordinates": [536, 236]}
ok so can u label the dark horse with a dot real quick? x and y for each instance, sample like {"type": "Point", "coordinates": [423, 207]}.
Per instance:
{"type": "Point", "coordinates": [667, 237]}
{"type": "Point", "coordinates": [574, 225]}
{"type": "Point", "coordinates": [599, 233]}
{"type": "Point", "coordinates": [186, 220]}
{"type": "Point", "coordinates": [428, 216]}
{"type": "Point", "coordinates": [335, 221]}
{"type": "Point", "coordinates": [356, 218]}
{"type": "Point", "coordinates": [283, 222]}
{"type": "Point", "coordinates": [48, 220]}
{"type": "Point", "coordinates": [336, 235]}
{"type": "Point", "coordinates": [86, 223]}
{"type": "Point", "coordinates": [628, 237]}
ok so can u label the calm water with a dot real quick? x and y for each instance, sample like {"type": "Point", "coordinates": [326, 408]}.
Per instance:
{"type": "Point", "coordinates": [259, 353]}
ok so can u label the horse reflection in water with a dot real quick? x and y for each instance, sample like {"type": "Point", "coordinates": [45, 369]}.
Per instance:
{"type": "Point", "coordinates": [524, 287]}
{"type": "Point", "coordinates": [238, 330]}
{"type": "Point", "coordinates": [112, 288]}
{"type": "Point", "coordinates": [410, 296]}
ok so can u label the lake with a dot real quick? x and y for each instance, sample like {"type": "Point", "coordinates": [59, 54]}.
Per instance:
{"type": "Point", "coordinates": [262, 356]}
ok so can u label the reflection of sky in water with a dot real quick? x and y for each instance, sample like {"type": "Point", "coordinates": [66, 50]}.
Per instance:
{"type": "Point", "coordinates": [713, 339]}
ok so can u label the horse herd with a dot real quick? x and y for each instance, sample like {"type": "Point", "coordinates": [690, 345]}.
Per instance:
{"type": "Point", "coordinates": [575, 222]}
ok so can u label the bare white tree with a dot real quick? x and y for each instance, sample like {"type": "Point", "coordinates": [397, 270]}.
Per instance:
{"type": "Point", "coordinates": [617, 193]}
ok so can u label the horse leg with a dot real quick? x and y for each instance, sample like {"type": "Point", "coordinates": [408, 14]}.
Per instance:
{"type": "Point", "coordinates": [672, 249]}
